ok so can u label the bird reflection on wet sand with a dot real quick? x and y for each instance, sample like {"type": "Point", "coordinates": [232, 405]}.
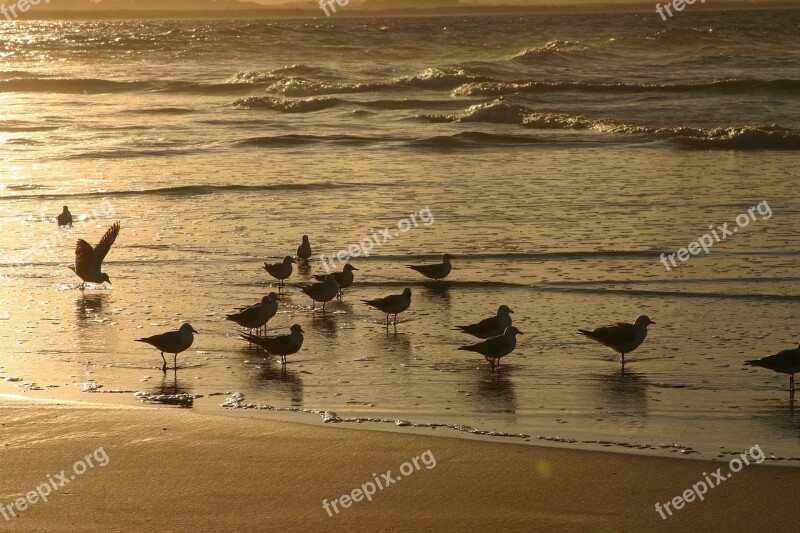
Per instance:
{"type": "Point", "coordinates": [89, 307]}
{"type": "Point", "coordinates": [625, 392]}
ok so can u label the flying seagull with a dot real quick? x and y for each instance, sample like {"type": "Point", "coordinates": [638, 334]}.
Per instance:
{"type": "Point", "coordinates": [621, 337]}
{"type": "Point", "coordinates": [490, 327]}
{"type": "Point", "coordinates": [785, 362]}
{"type": "Point", "coordinates": [89, 261]}
{"type": "Point", "coordinates": [65, 218]}
{"type": "Point", "coordinates": [496, 348]}
{"type": "Point", "coordinates": [436, 271]}
{"type": "Point", "coordinates": [304, 250]}
{"type": "Point", "coordinates": [322, 292]}
{"type": "Point", "coordinates": [392, 305]}
{"type": "Point", "coordinates": [256, 316]}
{"type": "Point", "coordinates": [344, 278]}
{"type": "Point", "coordinates": [280, 271]}
{"type": "Point", "coordinates": [281, 345]}
{"type": "Point", "coordinates": [173, 342]}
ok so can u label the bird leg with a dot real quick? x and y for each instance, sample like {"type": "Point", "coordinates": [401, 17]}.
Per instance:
{"type": "Point", "coordinates": [163, 368]}
{"type": "Point", "coordinates": [175, 361]}
{"type": "Point", "coordinates": [791, 382]}
{"type": "Point", "coordinates": [623, 360]}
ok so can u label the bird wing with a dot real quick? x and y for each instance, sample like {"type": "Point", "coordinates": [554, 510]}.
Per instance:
{"type": "Point", "coordinates": [84, 256]}
{"type": "Point", "coordinates": [614, 334]}
{"type": "Point", "coordinates": [164, 341]}
{"type": "Point", "coordinates": [273, 345]}
{"type": "Point", "coordinates": [105, 243]}
{"type": "Point", "coordinates": [489, 346]}
{"type": "Point", "coordinates": [246, 315]}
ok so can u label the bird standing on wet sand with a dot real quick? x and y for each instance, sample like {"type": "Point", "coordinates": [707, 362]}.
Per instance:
{"type": "Point", "coordinates": [173, 342]}
{"type": "Point", "coordinates": [490, 327]}
{"type": "Point", "coordinates": [256, 316]}
{"type": "Point", "coordinates": [322, 292]}
{"type": "Point", "coordinates": [280, 271]}
{"type": "Point", "coordinates": [65, 218]}
{"type": "Point", "coordinates": [436, 271]}
{"type": "Point", "coordinates": [344, 278]}
{"type": "Point", "coordinates": [496, 348]}
{"type": "Point", "coordinates": [89, 261]}
{"type": "Point", "coordinates": [621, 337]}
{"type": "Point", "coordinates": [304, 250]}
{"type": "Point", "coordinates": [392, 305]}
{"type": "Point", "coordinates": [785, 362]}
{"type": "Point", "coordinates": [281, 345]}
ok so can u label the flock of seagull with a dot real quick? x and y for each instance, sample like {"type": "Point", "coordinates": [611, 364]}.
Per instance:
{"type": "Point", "coordinates": [499, 336]}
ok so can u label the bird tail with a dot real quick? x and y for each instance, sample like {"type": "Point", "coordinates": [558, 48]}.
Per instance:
{"type": "Point", "coordinates": [460, 328]}
{"type": "Point", "coordinates": [250, 337]}
{"type": "Point", "coordinates": [753, 362]}
{"type": "Point", "coordinates": [466, 348]}
{"type": "Point", "coordinates": [586, 333]}
{"type": "Point", "coordinates": [413, 267]}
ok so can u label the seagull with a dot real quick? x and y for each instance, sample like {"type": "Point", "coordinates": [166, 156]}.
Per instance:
{"type": "Point", "coordinates": [173, 342]}
{"type": "Point", "coordinates": [621, 337]}
{"type": "Point", "coordinates": [322, 292]}
{"type": "Point", "coordinates": [281, 345]}
{"type": "Point", "coordinates": [437, 271]}
{"type": "Point", "coordinates": [392, 305]}
{"type": "Point", "coordinates": [490, 327]}
{"type": "Point", "coordinates": [304, 250]}
{"type": "Point", "coordinates": [256, 316]}
{"type": "Point", "coordinates": [65, 218]}
{"type": "Point", "coordinates": [280, 271]}
{"type": "Point", "coordinates": [497, 347]}
{"type": "Point", "coordinates": [344, 278]}
{"type": "Point", "coordinates": [89, 261]}
{"type": "Point", "coordinates": [785, 362]}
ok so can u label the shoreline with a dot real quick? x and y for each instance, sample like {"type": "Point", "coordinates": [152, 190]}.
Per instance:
{"type": "Point", "coordinates": [391, 422]}
{"type": "Point", "coordinates": [234, 471]}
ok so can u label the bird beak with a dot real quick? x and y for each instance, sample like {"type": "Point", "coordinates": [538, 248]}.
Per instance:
{"type": "Point", "coordinates": [652, 322]}
{"type": "Point", "coordinates": [518, 331]}
{"type": "Point", "coordinates": [194, 331]}
{"type": "Point", "coordinates": [354, 268]}
{"type": "Point", "coordinates": [510, 311]}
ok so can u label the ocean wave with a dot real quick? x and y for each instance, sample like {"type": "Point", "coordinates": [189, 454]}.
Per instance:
{"type": "Point", "coordinates": [476, 139]}
{"type": "Point", "coordinates": [764, 138]}
{"type": "Point", "coordinates": [196, 190]}
{"type": "Point", "coordinates": [292, 140]}
{"type": "Point", "coordinates": [550, 49]}
{"type": "Point", "coordinates": [286, 105]}
{"type": "Point", "coordinates": [444, 79]}
{"type": "Point", "coordinates": [728, 86]}
{"type": "Point", "coordinates": [773, 137]}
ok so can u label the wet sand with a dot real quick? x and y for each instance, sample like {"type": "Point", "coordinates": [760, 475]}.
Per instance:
{"type": "Point", "coordinates": [175, 470]}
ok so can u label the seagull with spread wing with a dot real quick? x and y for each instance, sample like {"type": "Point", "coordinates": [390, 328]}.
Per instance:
{"type": "Point", "coordinates": [89, 261]}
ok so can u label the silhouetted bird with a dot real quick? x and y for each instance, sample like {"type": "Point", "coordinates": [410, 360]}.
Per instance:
{"type": "Point", "coordinates": [173, 342]}
{"type": "Point", "coordinates": [621, 337]}
{"type": "Point", "coordinates": [89, 261]}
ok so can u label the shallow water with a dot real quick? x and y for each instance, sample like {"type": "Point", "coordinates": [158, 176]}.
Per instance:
{"type": "Point", "coordinates": [218, 144]}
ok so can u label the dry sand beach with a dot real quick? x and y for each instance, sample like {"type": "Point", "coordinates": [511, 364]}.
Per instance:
{"type": "Point", "coordinates": [169, 470]}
